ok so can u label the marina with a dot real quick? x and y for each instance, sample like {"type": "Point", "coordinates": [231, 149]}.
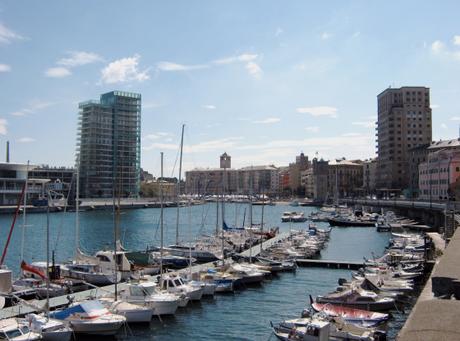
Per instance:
{"type": "Point", "coordinates": [352, 244]}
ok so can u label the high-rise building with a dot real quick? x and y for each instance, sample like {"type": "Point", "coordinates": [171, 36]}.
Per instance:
{"type": "Point", "coordinates": [404, 122]}
{"type": "Point", "coordinates": [109, 147]}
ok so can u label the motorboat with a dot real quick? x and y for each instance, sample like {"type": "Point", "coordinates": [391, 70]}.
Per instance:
{"type": "Point", "coordinates": [50, 329]}
{"type": "Point", "coordinates": [90, 317]}
{"type": "Point", "coordinates": [13, 329]}
{"type": "Point", "coordinates": [175, 284]}
{"type": "Point", "coordinates": [200, 255]}
{"type": "Point", "coordinates": [360, 317]}
{"type": "Point", "coordinates": [90, 273]}
{"type": "Point", "coordinates": [359, 298]}
{"type": "Point", "coordinates": [295, 217]}
{"type": "Point", "coordinates": [147, 294]}
{"type": "Point", "coordinates": [316, 328]}
{"type": "Point", "coordinates": [134, 313]}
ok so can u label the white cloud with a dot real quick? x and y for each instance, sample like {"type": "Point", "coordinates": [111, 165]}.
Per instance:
{"type": "Point", "coordinates": [124, 70]}
{"type": "Point", "coordinates": [455, 118]}
{"type": "Point", "coordinates": [365, 124]}
{"type": "Point", "coordinates": [435, 106]}
{"type": "Point", "coordinates": [437, 46]}
{"type": "Point", "coordinates": [26, 140]}
{"type": "Point", "coordinates": [268, 120]}
{"type": "Point", "coordinates": [77, 58]}
{"type": "Point", "coordinates": [325, 35]}
{"type": "Point", "coordinates": [7, 35]}
{"type": "Point", "coordinates": [3, 124]}
{"type": "Point", "coordinates": [169, 66]}
{"type": "Point", "coordinates": [456, 40]}
{"type": "Point", "coordinates": [205, 146]}
{"type": "Point", "coordinates": [242, 58]}
{"type": "Point", "coordinates": [57, 72]}
{"type": "Point", "coordinates": [319, 111]}
{"type": "Point", "coordinates": [5, 68]}
{"type": "Point", "coordinates": [443, 126]}
{"type": "Point", "coordinates": [254, 70]}
{"type": "Point", "coordinates": [312, 129]}
{"type": "Point", "coordinates": [157, 135]}
{"type": "Point", "coordinates": [33, 107]}
{"type": "Point", "coordinates": [356, 34]}
{"type": "Point", "coordinates": [209, 106]}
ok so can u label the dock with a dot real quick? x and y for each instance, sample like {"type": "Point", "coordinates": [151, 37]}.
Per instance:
{"type": "Point", "coordinates": [332, 264]}
{"type": "Point", "coordinates": [56, 302]}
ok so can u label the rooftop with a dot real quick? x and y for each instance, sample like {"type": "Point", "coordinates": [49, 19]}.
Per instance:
{"type": "Point", "coordinates": [445, 144]}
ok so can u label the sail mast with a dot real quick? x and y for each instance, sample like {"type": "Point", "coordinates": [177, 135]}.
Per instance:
{"type": "Point", "coordinates": [161, 215]}
{"type": "Point", "coordinates": [77, 209]}
{"type": "Point", "coordinates": [178, 185]}
{"type": "Point", "coordinates": [24, 219]}
{"type": "Point", "coordinates": [48, 259]}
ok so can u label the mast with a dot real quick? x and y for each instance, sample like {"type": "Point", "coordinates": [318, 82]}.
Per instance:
{"type": "Point", "coordinates": [48, 259]}
{"type": "Point", "coordinates": [190, 238]}
{"type": "Point", "coordinates": [161, 215]}
{"type": "Point", "coordinates": [24, 219]}
{"type": "Point", "coordinates": [262, 222]}
{"type": "Point", "coordinates": [250, 215]}
{"type": "Point", "coordinates": [77, 208]}
{"type": "Point", "coordinates": [223, 215]}
{"type": "Point", "coordinates": [217, 216]}
{"type": "Point", "coordinates": [178, 185]}
{"type": "Point", "coordinates": [114, 232]}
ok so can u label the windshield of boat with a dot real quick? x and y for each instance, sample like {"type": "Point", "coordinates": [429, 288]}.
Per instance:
{"type": "Point", "coordinates": [10, 334]}
{"type": "Point", "coordinates": [178, 282]}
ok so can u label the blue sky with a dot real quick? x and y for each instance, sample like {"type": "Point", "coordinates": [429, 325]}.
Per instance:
{"type": "Point", "coordinates": [261, 80]}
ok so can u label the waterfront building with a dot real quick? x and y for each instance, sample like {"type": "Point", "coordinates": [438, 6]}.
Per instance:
{"type": "Point", "coordinates": [369, 176]}
{"type": "Point", "coordinates": [295, 169]}
{"type": "Point", "coordinates": [151, 188]}
{"type": "Point", "coordinates": [145, 175]}
{"type": "Point", "coordinates": [439, 175]}
{"type": "Point", "coordinates": [345, 178]}
{"type": "Point", "coordinates": [283, 175]}
{"type": "Point", "coordinates": [108, 147]}
{"type": "Point", "coordinates": [307, 182]}
{"type": "Point", "coordinates": [246, 180]}
{"type": "Point", "coordinates": [320, 179]}
{"type": "Point", "coordinates": [404, 122]}
{"type": "Point", "coordinates": [417, 155]}
{"type": "Point", "coordinates": [12, 179]}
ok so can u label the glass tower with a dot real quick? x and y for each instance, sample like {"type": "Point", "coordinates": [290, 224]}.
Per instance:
{"type": "Point", "coordinates": [109, 145]}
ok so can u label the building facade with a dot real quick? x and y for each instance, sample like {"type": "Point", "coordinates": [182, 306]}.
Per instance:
{"type": "Point", "coordinates": [439, 175]}
{"type": "Point", "coordinates": [417, 155]}
{"type": "Point", "coordinates": [108, 147]}
{"type": "Point", "coordinates": [404, 122]}
{"type": "Point", "coordinates": [345, 178]}
{"type": "Point", "coordinates": [320, 179]}
{"type": "Point", "coordinates": [369, 176]}
{"type": "Point", "coordinates": [295, 171]}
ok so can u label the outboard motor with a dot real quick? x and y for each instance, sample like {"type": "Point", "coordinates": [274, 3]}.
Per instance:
{"type": "Point", "coordinates": [342, 281]}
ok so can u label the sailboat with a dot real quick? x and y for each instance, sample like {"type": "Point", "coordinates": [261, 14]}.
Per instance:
{"type": "Point", "coordinates": [201, 255]}
{"type": "Point", "coordinates": [49, 328]}
{"type": "Point", "coordinates": [85, 267]}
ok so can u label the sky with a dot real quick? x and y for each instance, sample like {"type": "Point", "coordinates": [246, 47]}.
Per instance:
{"type": "Point", "coordinates": [260, 80]}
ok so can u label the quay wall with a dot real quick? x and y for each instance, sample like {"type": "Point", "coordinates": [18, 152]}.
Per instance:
{"type": "Point", "coordinates": [435, 314]}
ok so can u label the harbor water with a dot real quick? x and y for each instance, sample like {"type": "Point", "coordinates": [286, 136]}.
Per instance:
{"type": "Point", "coordinates": [244, 315]}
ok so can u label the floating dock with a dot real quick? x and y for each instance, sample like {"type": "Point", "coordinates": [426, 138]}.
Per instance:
{"type": "Point", "coordinates": [56, 302]}
{"type": "Point", "coordinates": [332, 264]}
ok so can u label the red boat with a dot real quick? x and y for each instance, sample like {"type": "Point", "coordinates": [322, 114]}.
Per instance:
{"type": "Point", "coordinates": [355, 316]}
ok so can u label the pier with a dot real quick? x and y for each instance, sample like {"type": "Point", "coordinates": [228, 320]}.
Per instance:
{"type": "Point", "coordinates": [56, 302]}
{"type": "Point", "coordinates": [332, 264]}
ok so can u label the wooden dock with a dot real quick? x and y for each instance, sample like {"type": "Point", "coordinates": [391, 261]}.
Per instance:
{"type": "Point", "coordinates": [332, 264]}
{"type": "Point", "coordinates": [55, 302]}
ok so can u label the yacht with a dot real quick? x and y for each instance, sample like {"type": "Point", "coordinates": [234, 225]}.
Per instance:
{"type": "Point", "coordinates": [90, 317]}
{"type": "Point", "coordinates": [49, 329]}
{"type": "Point", "coordinates": [13, 329]}
{"type": "Point", "coordinates": [147, 294]}
{"type": "Point", "coordinates": [175, 284]}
